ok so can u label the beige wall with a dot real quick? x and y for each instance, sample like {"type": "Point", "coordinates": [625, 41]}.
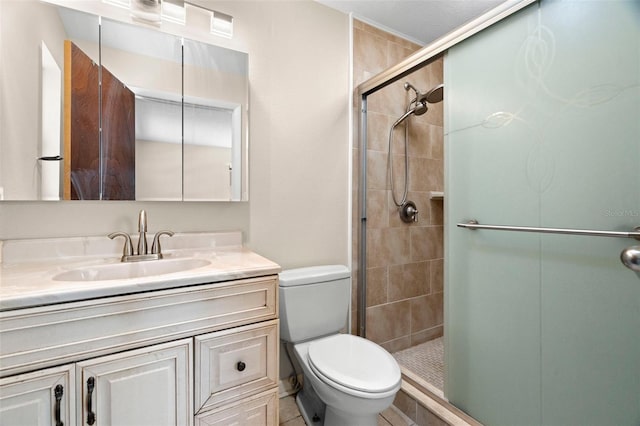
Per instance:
{"type": "Point", "coordinates": [404, 261]}
{"type": "Point", "coordinates": [299, 147]}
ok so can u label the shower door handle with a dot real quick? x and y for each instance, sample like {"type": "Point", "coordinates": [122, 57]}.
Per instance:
{"type": "Point", "coordinates": [474, 224]}
{"type": "Point", "coordinates": [630, 257]}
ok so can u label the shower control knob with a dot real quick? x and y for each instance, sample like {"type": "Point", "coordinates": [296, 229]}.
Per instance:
{"type": "Point", "coordinates": [409, 212]}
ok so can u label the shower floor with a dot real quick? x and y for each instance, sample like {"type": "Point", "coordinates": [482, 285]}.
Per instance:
{"type": "Point", "coordinates": [425, 360]}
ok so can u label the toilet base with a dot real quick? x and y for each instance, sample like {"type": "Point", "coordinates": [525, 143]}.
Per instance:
{"type": "Point", "coordinates": [334, 417]}
{"type": "Point", "coordinates": [311, 406]}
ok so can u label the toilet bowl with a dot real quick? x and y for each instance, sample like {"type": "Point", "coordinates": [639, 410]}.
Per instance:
{"type": "Point", "coordinates": [354, 377]}
{"type": "Point", "coordinates": [348, 380]}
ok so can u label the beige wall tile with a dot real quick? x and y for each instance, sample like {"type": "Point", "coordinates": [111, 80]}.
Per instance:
{"type": "Point", "coordinates": [377, 279]}
{"type": "Point", "coordinates": [374, 248]}
{"type": "Point", "coordinates": [377, 212]}
{"type": "Point", "coordinates": [436, 142]}
{"type": "Point", "coordinates": [396, 345]}
{"type": "Point", "coordinates": [406, 404]}
{"type": "Point", "coordinates": [426, 335]}
{"type": "Point", "coordinates": [388, 36]}
{"type": "Point", "coordinates": [408, 280]}
{"type": "Point", "coordinates": [426, 312]}
{"type": "Point", "coordinates": [427, 418]}
{"type": "Point", "coordinates": [369, 51]}
{"type": "Point", "coordinates": [427, 243]}
{"type": "Point", "coordinates": [396, 52]}
{"type": "Point", "coordinates": [387, 246]}
{"type": "Point", "coordinates": [419, 137]}
{"type": "Point", "coordinates": [436, 208]}
{"type": "Point", "coordinates": [376, 170]}
{"type": "Point", "coordinates": [391, 100]}
{"type": "Point", "coordinates": [378, 126]}
{"type": "Point", "coordinates": [426, 174]}
{"type": "Point", "coordinates": [358, 24]}
{"type": "Point", "coordinates": [389, 321]}
{"type": "Point", "coordinates": [437, 276]}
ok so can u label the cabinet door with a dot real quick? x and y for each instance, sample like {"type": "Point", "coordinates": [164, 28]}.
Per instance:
{"type": "Point", "coordinates": [44, 397]}
{"type": "Point", "coordinates": [144, 387]}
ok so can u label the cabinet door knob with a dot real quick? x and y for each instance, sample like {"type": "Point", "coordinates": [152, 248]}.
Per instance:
{"type": "Point", "coordinates": [240, 366]}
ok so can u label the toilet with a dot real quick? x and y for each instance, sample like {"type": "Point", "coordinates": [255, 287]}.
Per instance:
{"type": "Point", "coordinates": [348, 380]}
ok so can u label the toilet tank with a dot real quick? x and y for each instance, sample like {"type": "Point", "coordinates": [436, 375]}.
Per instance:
{"type": "Point", "coordinates": [314, 301]}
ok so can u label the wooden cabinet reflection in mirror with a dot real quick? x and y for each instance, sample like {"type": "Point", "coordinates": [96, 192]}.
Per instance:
{"type": "Point", "coordinates": [100, 166]}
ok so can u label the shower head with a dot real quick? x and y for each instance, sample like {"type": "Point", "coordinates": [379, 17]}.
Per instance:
{"type": "Point", "coordinates": [433, 96]}
{"type": "Point", "coordinates": [420, 108]}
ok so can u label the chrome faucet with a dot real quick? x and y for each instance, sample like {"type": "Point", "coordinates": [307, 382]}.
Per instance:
{"type": "Point", "coordinates": [143, 254]}
{"type": "Point", "coordinates": [142, 231]}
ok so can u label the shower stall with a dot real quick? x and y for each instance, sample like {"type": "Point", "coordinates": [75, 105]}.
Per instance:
{"type": "Point", "coordinates": [541, 130]}
{"type": "Point", "coordinates": [404, 204]}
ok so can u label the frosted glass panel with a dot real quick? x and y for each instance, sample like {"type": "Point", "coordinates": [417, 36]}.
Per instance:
{"type": "Point", "coordinates": [543, 129]}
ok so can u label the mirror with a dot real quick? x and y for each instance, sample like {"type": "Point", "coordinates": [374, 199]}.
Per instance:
{"type": "Point", "coordinates": [172, 112]}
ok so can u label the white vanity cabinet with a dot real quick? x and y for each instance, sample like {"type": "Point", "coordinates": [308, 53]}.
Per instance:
{"type": "Point", "coordinates": [200, 354]}
{"type": "Point", "coordinates": [149, 386]}
{"type": "Point", "coordinates": [234, 364]}
{"type": "Point", "coordinates": [42, 398]}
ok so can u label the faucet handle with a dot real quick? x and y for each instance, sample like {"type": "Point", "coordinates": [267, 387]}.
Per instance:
{"type": "Point", "coordinates": [127, 250]}
{"type": "Point", "coordinates": [155, 247]}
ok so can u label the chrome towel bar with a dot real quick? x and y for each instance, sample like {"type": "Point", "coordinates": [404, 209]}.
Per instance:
{"type": "Point", "coordinates": [630, 256]}
{"type": "Point", "coordinates": [473, 225]}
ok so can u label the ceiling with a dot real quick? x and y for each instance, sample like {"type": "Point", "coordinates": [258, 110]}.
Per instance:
{"type": "Point", "coordinates": [421, 21]}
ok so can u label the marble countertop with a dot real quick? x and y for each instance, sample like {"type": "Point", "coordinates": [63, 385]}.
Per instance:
{"type": "Point", "coordinates": [28, 267]}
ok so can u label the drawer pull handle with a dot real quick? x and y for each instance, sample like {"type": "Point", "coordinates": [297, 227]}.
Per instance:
{"type": "Point", "coordinates": [240, 366]}
{"type": "Point", "coordinates": [91, 416]}
{"type": "Point", "coordinates": [58, 392]}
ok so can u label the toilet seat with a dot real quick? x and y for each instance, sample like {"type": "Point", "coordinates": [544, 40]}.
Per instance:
{"type": "Point", "coordinates": [354, 365]}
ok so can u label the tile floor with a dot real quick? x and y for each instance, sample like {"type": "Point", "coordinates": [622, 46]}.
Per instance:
{"type": "Point", "coordinates": [425, 360]}
{"type": "Point", "coordinates": [290, 416]}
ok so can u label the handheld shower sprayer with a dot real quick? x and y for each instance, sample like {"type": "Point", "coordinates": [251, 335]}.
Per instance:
{"type": "Point", "coordinates": [417, 106]}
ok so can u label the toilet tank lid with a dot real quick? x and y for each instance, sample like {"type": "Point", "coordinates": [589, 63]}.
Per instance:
{"type": "Point", "coordinates": [312, 275]}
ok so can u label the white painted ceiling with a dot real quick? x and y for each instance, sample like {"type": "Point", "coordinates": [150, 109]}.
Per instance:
{"type": "Point", "coordinates": [421, 21]}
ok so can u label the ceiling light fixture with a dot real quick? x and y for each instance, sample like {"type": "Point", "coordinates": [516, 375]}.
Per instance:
{"type": "Point", "coordinates": [148, 11]}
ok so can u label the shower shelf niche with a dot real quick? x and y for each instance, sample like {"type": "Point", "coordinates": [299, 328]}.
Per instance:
{"type": "Point", "coordinates": [436, 195]}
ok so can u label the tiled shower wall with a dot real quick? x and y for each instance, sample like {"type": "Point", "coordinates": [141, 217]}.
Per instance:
{"type": "Point", "coordinates": [404, 261]}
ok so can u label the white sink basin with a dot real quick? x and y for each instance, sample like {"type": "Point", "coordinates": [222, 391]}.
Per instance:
{"type": "Point", "coordinates": [121, 271]}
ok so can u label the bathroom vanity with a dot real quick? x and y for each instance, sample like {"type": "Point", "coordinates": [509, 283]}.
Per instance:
{"type": "Point", "coordinates": [145, 346]}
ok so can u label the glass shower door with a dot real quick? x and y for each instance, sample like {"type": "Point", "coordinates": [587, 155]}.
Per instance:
{"type": "Point", "coordinates": [543, 129]}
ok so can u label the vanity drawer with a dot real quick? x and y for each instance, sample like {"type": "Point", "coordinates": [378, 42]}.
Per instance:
{"type": "Point", "coordinates": [233, 364]}
{"type": "Point", "coordinates": [261, 409]}
{"type": "Point", "coordinates": [35, 338]}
